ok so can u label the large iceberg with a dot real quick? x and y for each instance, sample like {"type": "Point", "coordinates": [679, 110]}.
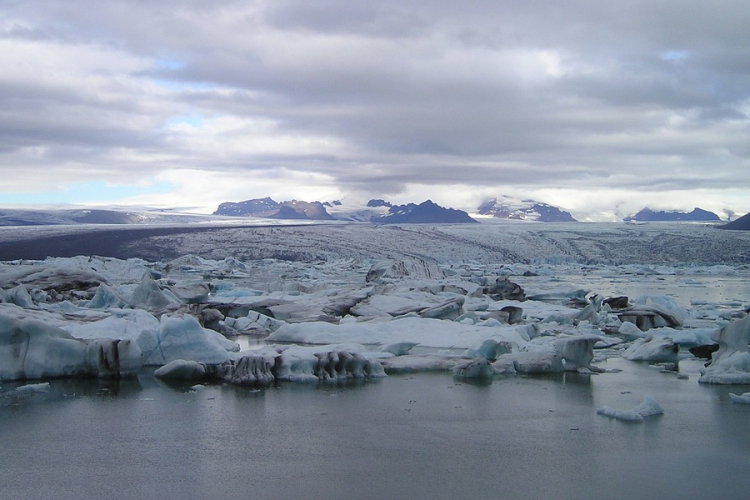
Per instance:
{"type": "Point", "coordinates": [31, 349]}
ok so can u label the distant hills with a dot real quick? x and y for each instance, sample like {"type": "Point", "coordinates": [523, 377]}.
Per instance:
{"type": "Point", "coordinates": [510, 208]}
{"type": "Point", "coordinates": [268, 208]}
{"type": "Point", "coordinates": [697, 215]}
{"type": "Point", "coordinates": [426, 212]}
{"type": "Point", "coordinates": [741, 224]}
{"type": "Point", "coordinates": [378, 211]}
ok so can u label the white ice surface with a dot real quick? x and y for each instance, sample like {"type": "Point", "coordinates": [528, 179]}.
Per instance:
{"type": "Point", "coordinates": [731, 363]}
{"type": "Point", "coordinates": [648, 408]}
{"type": "Point", "coordinates": [425, 332]}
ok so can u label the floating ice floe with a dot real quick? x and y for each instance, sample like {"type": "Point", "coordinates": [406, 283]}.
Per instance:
{"type": "Point", "coordinates": [648, 408]}
{"type": "Point", "coordinates": [740, 398]}
{"type": "Point", "coordinates": [731, 363]}
{"type": "Point", "coordinates": [26, 391]}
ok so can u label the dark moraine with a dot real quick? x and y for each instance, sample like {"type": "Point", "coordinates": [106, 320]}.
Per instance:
{"type": "Point", "coordinates": [120, 243]}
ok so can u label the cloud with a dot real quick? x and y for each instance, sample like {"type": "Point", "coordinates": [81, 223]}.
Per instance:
{"type": "Point", "coordinates": [387, 98]}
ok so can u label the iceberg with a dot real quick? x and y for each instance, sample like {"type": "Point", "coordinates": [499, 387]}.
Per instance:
{"type": "Point", "coordinates": [653, 348]}
{"type": "Point", "coordinates": [290, 363]}
{"type": "Point", "coordinates": [648, 408]}
{"type": "Point", "coordinates": [478, 369]}
{"type": "Point", "coordinates": [180, 369]}
{"type": "Point", "coordinates": [32, 349]}
{"type": "Point", "coordinates": [743, 398]}
{"type": "Point", "coordinates": [731, 363]}
{"type": "Point", "coordinates": [182, 337]}
{"type": "Point", "coordinates": [576, 352]}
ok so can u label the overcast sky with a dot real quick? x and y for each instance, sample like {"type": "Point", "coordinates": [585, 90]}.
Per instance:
{"type": "Point", "coordinates": [597, 106]}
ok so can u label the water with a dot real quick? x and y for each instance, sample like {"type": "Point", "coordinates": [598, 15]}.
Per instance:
{"type": "Point", "coordinates": [416, 436]}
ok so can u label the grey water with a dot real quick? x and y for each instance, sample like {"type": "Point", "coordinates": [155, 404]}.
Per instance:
{"type": "Point", "coordinates": [413, 436]}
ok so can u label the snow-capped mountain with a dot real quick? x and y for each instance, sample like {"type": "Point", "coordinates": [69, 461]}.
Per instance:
{"type": "Point", "coordinates": [268, 208]}
{"type": "Point", "coordinates": [511, 208]}
{"type": "Point", "coordinates": [697, 214]}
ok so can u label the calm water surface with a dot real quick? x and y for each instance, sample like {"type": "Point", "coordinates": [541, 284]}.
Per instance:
{"type": "Point", "coordinates": [416, 436]}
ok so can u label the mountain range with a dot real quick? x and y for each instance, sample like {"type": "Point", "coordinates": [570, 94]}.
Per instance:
{"type": "Point", "coordinates": [268, 208]}
{"type": "Point", "coordinates": [697, 215]}
{"type": "Point", "coordinates": [377, 211]}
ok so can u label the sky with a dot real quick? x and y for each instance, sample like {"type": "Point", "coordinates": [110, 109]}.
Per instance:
{"type": "Point", "coordinates": [600, 107]}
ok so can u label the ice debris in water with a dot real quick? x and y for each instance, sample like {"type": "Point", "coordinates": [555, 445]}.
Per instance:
{"type": "Point", "coordinates": [648, 408]}
{"type": "Point", "coordinates": [740, 398]}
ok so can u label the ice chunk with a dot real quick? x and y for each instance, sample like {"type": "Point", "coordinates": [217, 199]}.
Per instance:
{"type": "Point", "coordinates": [148, 295]}
{"type": "Point", "coordinates": [630, 331]}
{"type": "Point", "coordinates": [106, 298]}
{"type": "Point", "coordinates": [530, 362]}
{"type": "Point", "coordinates": [653, 348]}
{"type": "Point", "coordinates": [182, 337]}
{"type": "Point", "coordinates": [26, 391]}
{"type": "Point", "coordinates": [648, 408]}
{"type": "Point", "coordinates": [731, 363]}
{"type": "Point", "coordinates": [19, 296]}
{"type": "Point", "coordinates": [488, 349]}
{"type": "Point", "coordinates": [577, 352]}
{"type": "Point", "coordinates": [740, 398]}
{"type": "Point", "coordinates": [298, 365]}
{"type": "Point", "coordinates": [478, 369]}
{"type": "Point", "coordinates": [398, 348]}
{"type": "Point", "coordinates": [654, 312]}
{"type": "Point", "coordinates": [190, 293]}
{"type": "Point", "coordinates": [180, 369]}
{"type": "Point", "coordinates": [32, 349]}
{"type": "Point", "coordinates": [251, 369]}
{"type": "Point", "coordinates": [397, 269]}
{"type": "Point", "coordinates": [449, 310]}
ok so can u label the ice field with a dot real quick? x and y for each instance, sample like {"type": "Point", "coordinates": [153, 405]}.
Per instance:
{"type": "Point", "coordinates": [426, 361]}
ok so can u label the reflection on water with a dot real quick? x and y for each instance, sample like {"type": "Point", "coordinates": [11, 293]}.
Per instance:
{"type": "Point", "coordinates": [416, 436]}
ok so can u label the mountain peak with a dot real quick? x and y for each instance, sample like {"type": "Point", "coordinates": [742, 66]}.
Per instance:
{"type": "Point", "coordinates": [527, 210]}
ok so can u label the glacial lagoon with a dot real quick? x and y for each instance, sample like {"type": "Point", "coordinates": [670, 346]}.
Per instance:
{"type": "Point", "coordinates": [405, 436]}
